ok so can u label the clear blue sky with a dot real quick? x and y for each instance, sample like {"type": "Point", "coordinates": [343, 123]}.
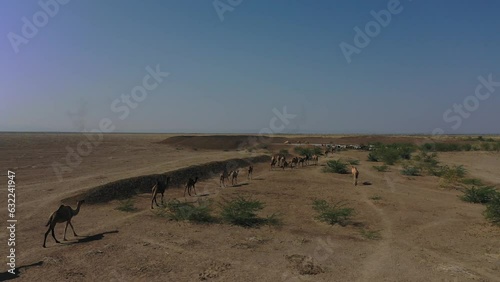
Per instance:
{"type": "Point", "coordinates": [227, 76]}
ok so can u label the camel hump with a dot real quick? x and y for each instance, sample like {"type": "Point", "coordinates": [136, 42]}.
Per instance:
{"type": "Point", "coordinates": [60, 207]}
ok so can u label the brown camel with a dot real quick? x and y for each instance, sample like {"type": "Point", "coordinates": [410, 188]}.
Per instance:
{"type": "Point", "coordinates": [355, 174]}
{"type": "Point", "coordinates": [223, 176]}
{"type": "Point", "coordinates": [63, 214]}
{"type": "Point", "coordinates": [250, 172]}
{"type": "Point", "coordinates": [284, 165]}
{"type": "Point", "coordinates": [274, 161]}
{"type": "Point", "coordinates": [234, 176]}
{"type": "Point", "coordinates": [159, 188]}
{"type": "Point", "coordinates": [190, 184]}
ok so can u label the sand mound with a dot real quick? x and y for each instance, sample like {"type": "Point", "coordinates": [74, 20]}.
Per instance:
{"type": "Point", "coordinates": [221, 142]}
{"type": "Point", "coordinates": [125, 188]}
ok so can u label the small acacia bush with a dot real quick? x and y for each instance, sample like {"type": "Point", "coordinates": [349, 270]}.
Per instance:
{"type": "Point", "coordinates": [127, 206]}
{"type": "Point", "coordinates": [428, 162]}
{"type": "Point", "coordinates": [482, 195]}
{"type": "Point", "coordinates": [243, 212]}
{"type": "Point", "coordinates": [472, 181]}
{"type": "Point", "coordinates": [179, 211]}
{"type": "Point", "coordinates": [452, 174]}
{"type": "Point", "coordinates": [352, 161]}
{"type": "Point", "coordinates": [381, 168]}
{"type": "Point", "coordinates": [371, 235]}
{"type": "Point", "coordinates": [410, 170]}
{"type": "Point", "coordinates": [492, 212]}
{"type": "Point", "coordinates": [332, 213]}
{"type": "Point", "coordinates": [388, 155]}
{"type": "Point", "coordinates": [372, 157]}
{"type": "Point", "coordinates": [336, 166]}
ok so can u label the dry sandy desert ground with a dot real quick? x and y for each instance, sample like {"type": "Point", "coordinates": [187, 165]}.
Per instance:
{"type": "Point", "coordinates": [426, 232]}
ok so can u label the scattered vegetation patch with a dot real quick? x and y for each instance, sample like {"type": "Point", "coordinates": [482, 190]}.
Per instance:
{"type": "Point", "coordinates": [336, 166]}
{"type": "Point", "coordinates": [243, 212]}
{"type": "Point", "coordinates": [308, 151]}
{"type": "Point", "coordinates": [284, 152]}
{"type": "Point", "coordinates": [127, 206]}
{"type": "Point", "coordinates": [352, 161]}
{"type": "Point", "coordinates": [185, 211]}
{"type": "Point", "coordinates": [472, 181]}
{"type": "Point", "coordinates": [481, 145]}
{"type": "Point", "coordinates": [391, 153]}
{"type": "Point", "coordinates": [372, 157]}
{"type": "Point", "coordinates": [410, 170]}
{"type": "Point", "coordinates": [427, 162]}
{"type": "Point", "coordinates": [452, 174]}
{"type": "Point", "coordinates": [332, 213]}
{"type": "Point", "coordinates": [481, 195]}
{"type": "Point", "coordinates": [376, 198]}
{"type": "Point", "coordinates": [381, 168]}
{"type": "Point", "coordinates": [492, 212]}
{"type": "Point", "coordinates": [371, 235]}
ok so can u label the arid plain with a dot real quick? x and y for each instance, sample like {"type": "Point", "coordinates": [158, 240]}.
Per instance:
{"type": "Point", "coordinates": [426, 233]}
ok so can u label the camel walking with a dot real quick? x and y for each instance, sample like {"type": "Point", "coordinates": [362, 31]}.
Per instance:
{"type": "Point", "coordinates": [159, 188]}
{"type": "Point", "coordinates": [234, 177]}
{"type": "Point", "coordinates": [223, 176]}
{"type": "Point", "coordinates": [355, 174]}
{"type": "Point", "coordinates": [274, 161]}
{"type": "Point", "coordinates": [295, 162]}
{"type": "Point", "coordinates": [250, 172]}
{"type": "Point", "coordinates": [190, 184]}
{"type": "Point", "coordinates": [284, 165]}
{"type": "Point", "coordinates": [63, 214]}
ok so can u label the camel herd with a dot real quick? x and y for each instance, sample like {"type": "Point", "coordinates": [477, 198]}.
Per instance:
{"type": "Point", "coordinates": [66, 213]}
{"type": "Point", "coordinates": [280, 161]}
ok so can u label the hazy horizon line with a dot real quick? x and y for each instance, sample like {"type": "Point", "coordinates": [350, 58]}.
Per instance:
{"type": "Point", "coordinates": [253, 133]}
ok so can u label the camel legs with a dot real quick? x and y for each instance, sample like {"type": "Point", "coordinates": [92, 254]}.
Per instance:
{"type": "Point", "coordinates": [51, 228]}
{"type": "Point", "coordinates": [153, 200]}
{"type": "Point", "coordinates": [66, 228]}
{"type": "Point", "coordinates": [194, 188]}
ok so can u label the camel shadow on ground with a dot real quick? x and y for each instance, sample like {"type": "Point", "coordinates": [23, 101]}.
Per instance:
{"type": "Point", "coordinates": [4, 276]}
{"type": "Point", "coordinates": [91, 238]}
{"type": "Point", "coordinates": [239, 185]}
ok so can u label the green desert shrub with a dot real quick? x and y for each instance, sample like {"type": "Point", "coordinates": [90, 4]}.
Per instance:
{"type": "Point", "coordinates": [492, 212]}
{"type": "Point", "coordinates": [410, 170]}
{"type": "Point", "coordinates": [472, 181]}
{"type": "Point", "coordinates": [127, 206]}
{"type": "Point", "coordinates": [352, 161]}
{"type": "Point", "coordinates": [481, 195]}
{"type": "Point", "coordinates": [452, 174]}
{"type": "Point", "coordinates": [336, 166]}
{"type": "Point", "coordinates": [370, 235]}
{"type": "Point", "coordinates": [381, 168]}
{"type": "Point", "coordinates": [372, 157]}
{"type": "Point", "coordinates": [185, 211]}
{"type": "Point", "coordinates": [242, 211]}
{"type": "Point", "coordinates": [332, 213]}
{"type": "Point", "coordinates": [389, 156]}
